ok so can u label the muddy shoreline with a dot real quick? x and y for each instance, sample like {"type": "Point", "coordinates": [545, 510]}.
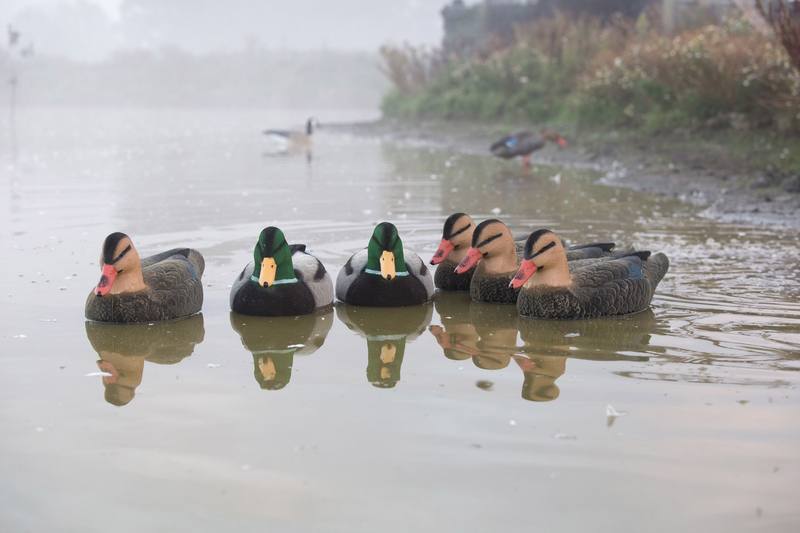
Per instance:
{"type": "Point", "coordinates": [702, 172]}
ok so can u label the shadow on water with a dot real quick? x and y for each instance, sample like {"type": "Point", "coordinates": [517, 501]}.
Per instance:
{"type": "Point", "coordinates": [387, 330]}
{"type": "Point", "coordinates": [274, 341]}
{"type": "Point", "coordinates": [123, 349]}
{"type": "Point", "coordinates": [492, 335]}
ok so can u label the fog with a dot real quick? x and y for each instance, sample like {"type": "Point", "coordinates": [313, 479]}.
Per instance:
{"type": "Point", "coordinates": [306, 53]}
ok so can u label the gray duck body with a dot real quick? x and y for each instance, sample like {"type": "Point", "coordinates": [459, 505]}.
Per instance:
{"type": "Point", "coordinates": [174, 290]}
{"type": "Point", "coordinates": [599, 288]}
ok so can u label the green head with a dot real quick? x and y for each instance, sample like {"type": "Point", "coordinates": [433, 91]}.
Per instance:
{"type": "Point", "coordinates": [273, 259]}
{"type": "Point", "coordinates": [385, 252]}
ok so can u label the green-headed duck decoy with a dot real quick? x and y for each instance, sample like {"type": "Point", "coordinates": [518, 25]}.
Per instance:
{"type": "Point", "coordinates": [384, 274]}
{"type": "Point", "coordinates": [602, 287]}
{"type": "Point", "coordinates": [281, 280]}
{"type": "Point", "coordinates": [524, 143]}
{"type": "Point", "coordinates": [161, 287]}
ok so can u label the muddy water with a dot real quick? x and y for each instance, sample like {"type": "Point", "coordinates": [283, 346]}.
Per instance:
{"type": "Point", "coordinates": [448, 417]}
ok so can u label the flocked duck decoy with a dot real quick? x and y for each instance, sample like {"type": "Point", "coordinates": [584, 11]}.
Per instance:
{"type": "Point", "coordinates": [387, 331]}
{"type": "Point", "coordinates": [456, 239]}
{"type": "Point", "coordinates": [275, 341]}
{"type": "Point", "coordinates": [610, 286]}
{"type": "Point", "coordinates": [282, 279]}
{"type": "Point", "coordinates": [524, 143]}
{"type": "Point", "coordinates": [384, 274]}
{"type": "Point", "coordinates": [161, 287]}
{"type": "Point", "coordinates": [124, 348]}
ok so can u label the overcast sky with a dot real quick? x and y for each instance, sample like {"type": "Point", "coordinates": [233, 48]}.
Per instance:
{"type": "Point", "coordinates": [91, 29]}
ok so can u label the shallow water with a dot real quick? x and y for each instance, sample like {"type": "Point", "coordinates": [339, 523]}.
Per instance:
{"type": "Point", "coordinates": [447, 417]}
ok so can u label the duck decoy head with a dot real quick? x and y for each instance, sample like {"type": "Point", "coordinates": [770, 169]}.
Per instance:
{"type": "Point", "coordinates": [385, 252]}
{"type": "Point", "coordinates": [490, 238]}
{"type": "Point", "coordinates": [538, 247]}
{"type": "Point", "coordinates": [116, 254]}
{"type": "Point", "coordinates": [272, 259]}
{"type": "Point", "coordinates": [457, 233]}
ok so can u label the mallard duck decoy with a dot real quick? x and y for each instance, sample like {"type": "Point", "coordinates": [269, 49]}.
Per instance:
{"type": "Point", "coordinates": [384, 274]}
{"type": "Point", "coordinates": [281, 280]}
{"type": "Point", "coordinates": [160, 287]}
{"type": "Point", "coordinates": [607, 286]}
{"type": "Point", "coordinates": [287, 140]}
{"type": "Point", "coordinates": [457, 238]}
{"type": "Point", "coordinates": [524, 143]}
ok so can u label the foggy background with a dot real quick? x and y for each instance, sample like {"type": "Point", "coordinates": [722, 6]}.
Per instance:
{"type": "Point", "coordinates": [238, 53]}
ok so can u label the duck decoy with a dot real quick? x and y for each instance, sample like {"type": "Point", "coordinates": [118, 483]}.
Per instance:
{"type": "Point", "coordinates": [124, 348]}
{"type": "Point", "coordinates": [602, 287]}
{"type": "Point", "coordinates": [524, 143]}
{"type": "Point", "coordinates": [493, 256]}
{"type": "Point", "coordinates": [287, 140]}
{"type": "Point", "coordinates": [275, 341]}
{"type": "Point", "coordinates": [384, 274]}
{"type": "Point", "coordinates": [457, 238]}
{"type": "Point", "coordinates": [281, 280]}
{"type": "Point", "coordinates": [160, 287]}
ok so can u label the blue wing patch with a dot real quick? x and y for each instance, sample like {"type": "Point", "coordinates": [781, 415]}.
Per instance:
{"type": "Point", "coordinates": [511, 142]}
{"type": "Point", "coordinates": [635, 268]}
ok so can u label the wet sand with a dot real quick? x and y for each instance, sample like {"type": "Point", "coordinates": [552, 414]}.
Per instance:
{"type": "Point", "coordinates": [446, 417]}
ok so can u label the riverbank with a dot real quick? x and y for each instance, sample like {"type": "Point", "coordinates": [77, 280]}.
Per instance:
{"type": "Point", "coordinates": [734, 176]}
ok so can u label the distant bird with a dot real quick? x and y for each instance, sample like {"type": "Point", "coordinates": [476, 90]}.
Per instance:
{"type": "Point", "coordinates": [13, 36]}
{"type": "Point", "coordinates": [524, 143]}
{"type": "Point", "coordinates": [287, 140]}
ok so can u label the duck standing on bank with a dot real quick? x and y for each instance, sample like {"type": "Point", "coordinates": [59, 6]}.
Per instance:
{"type": "Point", "coordinates": [524, 143]}
{"type": "Point", "coordinates": [384, 274]}
{"type": "Point", "coordinates": [160, 287]}
{"type": "Point", "coordinates": [613, 286]}
{"type": "Point", "coordinates": [282, 280]}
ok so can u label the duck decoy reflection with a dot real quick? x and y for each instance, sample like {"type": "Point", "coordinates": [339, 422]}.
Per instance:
{"type": "Point", "coordinates": [489, 336]}
{"type": "Point", "coordinates": [386, 331]}
{"type": "Point", "coordinates": [274, 341]}
{"type": "Point", "coordinates": [123, 349]}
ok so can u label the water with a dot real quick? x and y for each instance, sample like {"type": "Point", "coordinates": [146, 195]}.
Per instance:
{"type": "Point", "coordinates": [447, 417]}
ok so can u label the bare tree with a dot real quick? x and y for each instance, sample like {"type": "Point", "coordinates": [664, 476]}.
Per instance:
{"type": "Point", "coordinates": [784, 17]}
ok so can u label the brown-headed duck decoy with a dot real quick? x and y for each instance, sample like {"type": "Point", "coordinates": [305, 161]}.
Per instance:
{"type": "Point", "coordinates": [160, 287]}
{"type": "Point", "coordinates": [457, 238]}
{"type": "Point", "coordinates": [602, 287]}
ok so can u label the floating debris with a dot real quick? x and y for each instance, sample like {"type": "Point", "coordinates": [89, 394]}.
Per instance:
{"type": "Point", "coordinates": [564, 436]}
{"type": "Point", "coordinates": [484, 384]}
{"type": "Point", "coordinates": [612, 415]}
{"type": "Point", "coordinates": [213, 365]}
{"type": "Point", "coordinates": [496, 211]}
{"type": "Point", "coordinates": [556, 179]}
{"type": "Point", "coordinates": [20, 336]}
{"type": "Point", "coordinates": [512, 422]}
